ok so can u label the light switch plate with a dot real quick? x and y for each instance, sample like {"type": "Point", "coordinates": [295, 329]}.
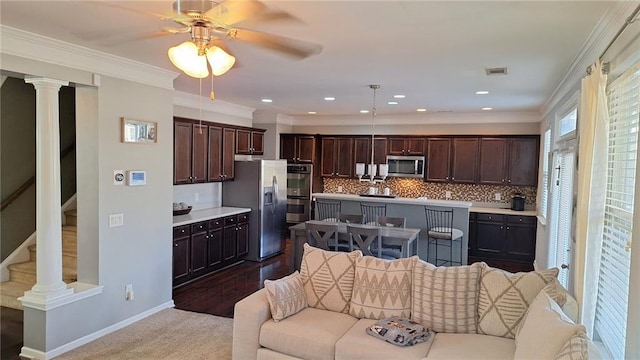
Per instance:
{"type": "Point", "coordinates": [116, 220]}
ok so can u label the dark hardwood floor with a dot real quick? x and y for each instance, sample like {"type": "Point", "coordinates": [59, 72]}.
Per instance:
{"type": "Point", "coordinates": [217, 293]}
{"type": "Point", "coordinates": [11, 333]}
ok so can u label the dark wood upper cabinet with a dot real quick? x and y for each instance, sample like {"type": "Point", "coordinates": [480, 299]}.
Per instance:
{"type": "Point", "coordinates": [190, 153]}
{"type": "Point", "coordinates": [438, 159]}
{"type": "Point", "coordinates": [249, 142]}
{"type": "Point", "coordinates": [523, 161]}
{"type": "Point", "coordinates": [228, 158]}
{"type": "Point", "coordinates": [182, 153]}
{"type": "Point", "coordinates": [215, 154]}
{"type": "Point", "coordinates": [406, 146]}
{"type": "Point", "coordinates": [464, 160]}
{"type": "Point", "coordinates": [337, 156]}
{"type": "Point", "coordinates": [298, 148]}
{"type": "Point", "coordinates": [509, 161]}
{"type": "Point", "coordinates": [493, 161]}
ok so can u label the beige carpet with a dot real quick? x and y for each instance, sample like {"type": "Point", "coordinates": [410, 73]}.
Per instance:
{"type": "Point", "coordinates": [168, 334]}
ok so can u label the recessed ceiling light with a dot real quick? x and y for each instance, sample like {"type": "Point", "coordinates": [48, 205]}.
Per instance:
{"type": "Point", "coordinates": [421, 110]}
{"type": "Point", "coordinates": [364, 111]}
{"type": "Point", "coordinates": [392, 103]}
{"type": "Point", "coordinates": [266, 100]}
{"type": "Point", "coordinates": [482, 92]}
{"type": "Point", "coordinates": [311, 112]}
{"type": "Point", "coordinates": [399, 96]}
{"type": "Point", "coordinates": [487, 108]}
{"type": "Point", "coordinates": [329, 98]}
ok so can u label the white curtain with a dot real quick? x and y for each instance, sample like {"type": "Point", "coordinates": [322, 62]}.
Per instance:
{"type": "Point", "coordinates": [593, 122]}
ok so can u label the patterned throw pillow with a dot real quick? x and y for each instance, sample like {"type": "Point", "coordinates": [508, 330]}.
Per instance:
{"type": "Point", "coordinates": [327, 277]}
{"type": "Point", "coordinates": [286, 296]}
{"type": "Point", "coordinates": [556, 292]}
{"type": "Point", "coordinates": [576, 348]}
{"type": "Point", "coordinates": [505, 297]}
{"type": "Point", "coordinates": [382, 288]}
{"type": "Point", "coordinates": [445, 298]}
{"type": "Point", "coordinates": [399, 331]}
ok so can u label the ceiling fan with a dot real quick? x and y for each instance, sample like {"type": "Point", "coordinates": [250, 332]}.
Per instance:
{"type": "Point", "coordinates": [210, 23]}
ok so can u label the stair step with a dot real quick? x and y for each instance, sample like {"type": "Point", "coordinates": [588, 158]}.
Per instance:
{"type": "Point", "coordinates": [25, 272]}
{"type": "Point", "coordinates": [71, 217]}
{"type": "Point", "coordinates": [67, 250]}
{"type": "Point", "coordinates": [10, 291]}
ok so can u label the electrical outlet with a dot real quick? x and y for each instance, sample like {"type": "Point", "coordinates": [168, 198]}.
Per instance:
{"type": "Point", "coordinates": [447, 194]}
{"type": "Point", "coordinates": [498, 196]}
{"type": "Point", "coordinates": [116, 220]}
{"type": "Point", "coordinates": [339, 188]}
{"type": "Point", "coordinates": [197, 197]}
{"type": "Point", "coordinates": [128, 292]}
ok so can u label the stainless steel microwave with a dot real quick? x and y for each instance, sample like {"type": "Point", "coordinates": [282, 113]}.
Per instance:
{"type": "Point", "coordinates": [406, 166]}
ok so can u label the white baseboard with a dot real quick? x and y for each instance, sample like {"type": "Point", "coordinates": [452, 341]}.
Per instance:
{"type": "Point", "coordinates": [30, 353]}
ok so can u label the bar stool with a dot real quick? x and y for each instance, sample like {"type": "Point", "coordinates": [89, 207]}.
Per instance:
{"type": "Point", "coordinates": [441, 233]}
{"type": "Point", "coordinates": [327, 210]}
{"type": "Point", "coordinates": [372, 211]}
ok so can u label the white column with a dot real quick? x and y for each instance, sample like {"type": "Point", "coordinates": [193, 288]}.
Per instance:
{"type": "Point", "coordinates": [49, 284]}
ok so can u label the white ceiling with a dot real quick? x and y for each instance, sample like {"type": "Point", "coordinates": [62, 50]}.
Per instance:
{"type": "Point", "coordinates": [434, 52]}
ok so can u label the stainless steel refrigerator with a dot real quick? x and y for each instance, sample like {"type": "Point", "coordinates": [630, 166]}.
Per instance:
{"type": "Point", "coordinates": [262, 186]}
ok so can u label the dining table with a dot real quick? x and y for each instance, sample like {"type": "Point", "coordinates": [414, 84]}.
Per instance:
{"type": "Point", "coordinates": [403, 237]}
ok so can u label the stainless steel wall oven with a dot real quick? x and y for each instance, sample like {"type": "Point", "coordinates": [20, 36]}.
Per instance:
{"type": "Point", "coordinates": [299, 178]}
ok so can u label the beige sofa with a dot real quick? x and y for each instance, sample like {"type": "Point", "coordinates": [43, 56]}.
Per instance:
{"type": "Point", "coordinates": [456, 302]}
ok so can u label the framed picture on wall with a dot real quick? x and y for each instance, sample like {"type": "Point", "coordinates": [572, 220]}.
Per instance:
{"type": "Point", "coordinates": [138, 131]}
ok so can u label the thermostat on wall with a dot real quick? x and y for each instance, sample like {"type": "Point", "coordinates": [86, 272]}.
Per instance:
{"type": "Point", "coordinates": [136, 177]}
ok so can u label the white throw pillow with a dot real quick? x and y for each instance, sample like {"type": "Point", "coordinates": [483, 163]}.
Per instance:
{"type": "Point", "coordinates": [327, 277]}
{"type": "Point", "coordinates": [286, 296]}
{"type": "Point", "coordinates": [545, 330]}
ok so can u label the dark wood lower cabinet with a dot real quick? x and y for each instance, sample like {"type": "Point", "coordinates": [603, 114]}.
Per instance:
{"type": "Point", "coordinates": [208, 246]}
{"type": "Point", "coordinates": [504, 241]}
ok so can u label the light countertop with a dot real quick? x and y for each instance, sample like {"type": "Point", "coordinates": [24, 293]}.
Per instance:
{"type": "Point", "coordinates": [207, 214]}
{"type": "Point", "coordinates": [397, 200]}
{"type": "Point", "coordinates": [492, 210]}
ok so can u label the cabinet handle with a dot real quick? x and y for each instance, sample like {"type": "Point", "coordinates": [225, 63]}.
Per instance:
{"type": "Point", "coordinates": [501, 227]}
{"type": "Point", "coordinates": [502, 180]}
{"type": "Point", "coordinates": [507, 228]}
{"type": "Point", "coordinates": [182, 231]}
{"type": "Point", "coordinates": [509, 181]}
{"type": "Point", "coordinates": [520, 220]}
{"type": "Point", "coordinates": [452, 178]}
{"type": "Point", "coordinates": [175, 245]}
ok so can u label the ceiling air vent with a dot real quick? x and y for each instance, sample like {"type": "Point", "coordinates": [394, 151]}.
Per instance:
{"type": "Point", "coordinates": [496, 71]}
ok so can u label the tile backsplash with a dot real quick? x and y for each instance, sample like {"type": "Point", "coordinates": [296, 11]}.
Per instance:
{"type": "Point", "coordinates": [412, 188]}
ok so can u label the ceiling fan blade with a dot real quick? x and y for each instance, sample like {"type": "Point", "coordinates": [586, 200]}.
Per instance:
{"type": "Point", "coordinates": [221, 44]}
{"type": "Point", "coordinates": [273, 16]}
{"type": "Point", "coordinates": [232, 12]}
{"type": "Point", "coordinates": [296, 48]}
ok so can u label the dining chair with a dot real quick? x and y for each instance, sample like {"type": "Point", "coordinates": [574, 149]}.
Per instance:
{"type": "Point", "coordinates": [440, 232]}
{"type": "Point", "coordinates": [350, 218]}
{"type": "Point", "coordinates": [391, 250]}
{"type": "Point", "coordinates": [323, 236]}
{"type": "Point", "coordinates": [392, 221]}
{"type": "Point", "coordinates": [366, 239]}
{"type": "Point", "coordinates": [371, 211]}
{"type": "Point", "coordinates": [327, 210]}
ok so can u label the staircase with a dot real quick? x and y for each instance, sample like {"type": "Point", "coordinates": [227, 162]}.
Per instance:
{"type": "Point", "coordinates": [23, 275]}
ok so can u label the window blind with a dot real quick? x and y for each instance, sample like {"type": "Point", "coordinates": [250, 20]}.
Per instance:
{"type": "Point", "coordinates": [613, 281]}
{"type": "Point", "coordinates": [567, 164]}
{"type": "Point", "coordinates": [546, 148]}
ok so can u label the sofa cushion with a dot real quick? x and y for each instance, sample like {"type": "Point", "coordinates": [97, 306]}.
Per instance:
{"type": "Point", "coordinates": [309, 334]}
{"type": "Point", "coordinates": [357, 344]}
{"type": "Point", "coordinates": [327, 277]}
{"type": "Point", "coordinates": [471, 346]}
{"type": "Point", "coordinates": [445, 298]}
{"type": "Point", "coordinates": [576, 348]}
{"type": "Point", "coordinates": [544, 324]}
{"type": "Point", "coordinates": [382, 288]}
{"type": "Point", "coordinates": [505, 297]}
{"type": "Point", "coordinates": [286, 296]}
{"type": "Point", "coordinates": [268, 354]}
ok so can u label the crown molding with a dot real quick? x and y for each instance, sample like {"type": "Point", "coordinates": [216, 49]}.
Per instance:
{"type": "Point", "coordinates": [610, 23]}
{"type": "Point", "coordinates": [485, 117]}
{"type": "Point", "coordinates": [41, 48]}
{"type": "Point", "coordinates": [192, 101]}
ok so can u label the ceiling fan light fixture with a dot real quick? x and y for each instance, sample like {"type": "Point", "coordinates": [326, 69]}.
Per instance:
{"type": "Point", "coordinates": [185, 57]}
{"type": "Point", "coordinates": [219, 60]}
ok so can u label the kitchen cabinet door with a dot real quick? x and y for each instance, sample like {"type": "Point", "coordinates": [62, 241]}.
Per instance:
{"type": "Point", "coordinates": [489, 236]}
{"type": "Point", "coordinates": [199, 162]}
{"type": "Point", "coordinates": [228, 154]}
{"type": "Point", "coordinates": [249, 142]}
{"type": "Point", "coordinates": [406, 146]}
{"type": "Point", "coordinates": [523, 161]}
{"type": "Point", "coordinates": [215, 154]}
{"type": "Point", "coordinates": [229, 244]}
{"type": "Point", "coordinates": [180, 260]}
{"type": "Point", "coordinates": [438, 159]}
{"type": "Point", "coordinates": [362, 151]}
{"type": "Point", "coordinates": [288, 147]}
{"type": "Point", "coordinates": [306, 149]}
{"type": "Point", "coordinates": [520, 242]}
{"type": "Point", "coordinates": [242, 238]}
{"type": "Point", "coordinates": [493, 161]}
{"type": "Point", "coordinates": [199, 253]}
{"type": "Point", "coordinates": [181, 153]}
{"type": "Point", "coordinates": [327, 157]}
{"type": "Point", "coordinates": [337, 154]}
{"type": "Point", "coordinates": [464, 163]}
{"type": "Point", "coordinates": [214, 257]}
{"type": "Point", "coordinates": [257, 142]}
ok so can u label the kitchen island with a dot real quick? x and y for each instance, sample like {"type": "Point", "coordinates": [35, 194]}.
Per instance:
{"type": "Point", "coordinates": [413, 210]}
